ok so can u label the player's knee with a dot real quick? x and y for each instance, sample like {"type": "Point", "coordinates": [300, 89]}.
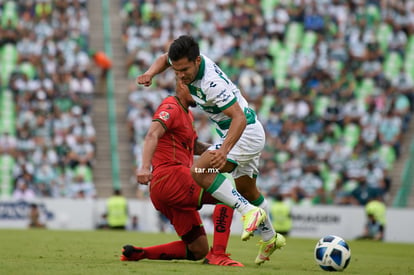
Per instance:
{"type": "Point", "coordinates": [197, 243]}
{"type": "Point", "coordinates": [203, 253]}
{"type": "Point", "coordinates": [196, 173]}
{"type": "Point", "coordinates": [198, 253]}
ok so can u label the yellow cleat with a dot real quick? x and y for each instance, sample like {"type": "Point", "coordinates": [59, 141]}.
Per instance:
{"type": "Point", "coordinates": [267, 248]}
{"type": "Point", "coordinates": [251, 221]}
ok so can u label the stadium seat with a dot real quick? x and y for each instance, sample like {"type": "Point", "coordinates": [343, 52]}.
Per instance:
{"type": "Point", "coordinates": [268, 6]}
{"type": "Point", "coordinates": [8, 54]}
{"type": "Point", "coordinates": [373, 14]}
{"type": "Point", "coordinates": [6, 69]}
{"type": "Point", "coordinates": [295, 83]}
{"type": "Point", "coordinates": [388, 155]}
{"type": "Point", "coordinates": [392, 65]}
{"type": "Point", "coordinates": [280, 66]}
{"type": "Point", "coordinates": [268, 102]}
{"type": "Point", "coordinates": [6, 180]}
{"type": "Point", "coordinates": [410, 44]}
{"type": "Point", "coordinates": [28, 69]}
{"type": "Point", "coordinates": [9, 15]}
{"type": "Point", "coordinates": [7, 113]}
{"type": "Point", "coordinates": [294, 34]}
{"type": "Point", "coordinates": [364, 89]}
{"type": "Point", "coordinates": [330, 179]}
{"type": "Point", "coordinates": [409, 63]}
{"type": "Point", "coordinates": [349, 186]}
{"type": "Point", "coordinates": [309, 41]}
{"type": "Point", "coordinates": [336, 68]}
{"type": "Point", "coordinates": [384, 34]}
{"type": "Point", "coordinates": [84, 171]}
{"type": "Point", "coordinates": [320, 104]}
{"type": "Point", "coordinates": [274, 47]}
{"type": "Point", "coordinates": [351, 134]}
{"type": "Point", "coordinates": [282, 157]}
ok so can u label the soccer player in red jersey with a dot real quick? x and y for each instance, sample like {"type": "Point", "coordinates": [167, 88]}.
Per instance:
{"type": "Point", "coordinates": [169, 147]}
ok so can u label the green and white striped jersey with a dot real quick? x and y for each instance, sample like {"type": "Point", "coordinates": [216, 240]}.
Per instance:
{"type": "Point", "coordinates": [214, 92]}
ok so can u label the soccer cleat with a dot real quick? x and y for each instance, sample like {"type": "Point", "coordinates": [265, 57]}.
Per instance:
{"type": "Point", "coordinates": [267, 248]}
{"type": "Point", "coordinates": [251, 221]}
{"type": "Point", "coordinates": [132, 253]}
{"type": "Point", "coordinates": [220, 259]}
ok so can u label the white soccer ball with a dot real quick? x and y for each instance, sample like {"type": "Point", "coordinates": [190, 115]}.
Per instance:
{"type": "Point", "coordinates": [332, 253]}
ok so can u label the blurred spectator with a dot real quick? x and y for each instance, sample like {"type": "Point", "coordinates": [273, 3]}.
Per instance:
{"type": "Point", "coordinates": [281, 215]}
{"type": "Point", "coordinates": [81, 152]}
{"type": "Point", "coordinates": [81, 188]}
{"type": "Point", "coordinates": [327, 79]}
{"type": "Point", "coordinates": [36, 219]}
{"type": "Point", "coordinates": [390, 130]}
{"type": "Point", "coordinates": [102, 61]}
{"type": "Point", "coordinates": [8, 143]}
{"type": "Point", "coordinates": [133, 224]}
{"type": "Point", "coordinates": [362, 193]}
{"type": "Point", "coordinates": [23, 191]}
{"type": "Point", "coordinates": [45, 47]}
{"type": "Point", "coordinates": [375, 225]}
{"type": "Point", "coordinates": [117, 210]}
{"type": "Point", "coordinates": [103, 222]}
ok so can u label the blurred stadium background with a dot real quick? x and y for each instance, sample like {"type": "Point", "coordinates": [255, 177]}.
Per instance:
{"type": "Point", "coordinates": [331, 80]}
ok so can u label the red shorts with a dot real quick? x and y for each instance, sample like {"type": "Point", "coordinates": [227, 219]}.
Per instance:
{"type": "Point", "coordinates": [174, 193]}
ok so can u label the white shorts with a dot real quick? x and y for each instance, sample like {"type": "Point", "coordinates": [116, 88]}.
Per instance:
{"type": "Point", "coordinates": [246, 152]}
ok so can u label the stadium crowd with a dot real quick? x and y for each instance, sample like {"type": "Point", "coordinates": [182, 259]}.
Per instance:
{"type": "Point", "coordinates": [47, 138]}
{"type": "Point", "coordinates": [331, 80]}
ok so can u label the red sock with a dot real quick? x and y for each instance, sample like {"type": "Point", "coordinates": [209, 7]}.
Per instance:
{"type": "Point", "coordinates": [168, 251]}
{"type": "Point", "coordinates": [222, 217]}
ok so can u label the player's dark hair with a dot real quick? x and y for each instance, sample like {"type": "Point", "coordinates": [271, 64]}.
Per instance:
{"type": "Point", "coordinates": [184, 47]}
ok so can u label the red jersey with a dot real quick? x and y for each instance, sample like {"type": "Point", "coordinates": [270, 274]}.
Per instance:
{"type": "Point", "coordinates": [176, 146]}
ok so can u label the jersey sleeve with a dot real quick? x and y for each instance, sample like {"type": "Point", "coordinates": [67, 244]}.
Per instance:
{"type": "Point", "coordinates": [166, 114]}
{"type": "Point", "coordinates": [221, 94]}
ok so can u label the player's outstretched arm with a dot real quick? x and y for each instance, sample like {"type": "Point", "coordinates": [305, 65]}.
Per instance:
{"type": "Point", "coordinates": [155, 131]}
{"type": "Point", "coordinates": [159, 65]}
{"type": "Point", "coordinates": [237, 126]}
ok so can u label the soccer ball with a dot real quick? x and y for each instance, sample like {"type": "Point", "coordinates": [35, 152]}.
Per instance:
{"type": "Point", "coordinates": [332, 253]}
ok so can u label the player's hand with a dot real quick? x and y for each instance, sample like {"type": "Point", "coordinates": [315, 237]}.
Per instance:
{"type": "Point", "coordinates": [144, 79]}
{"type": "Point", "coordinates": [144, 176]}
{"type": "Point", "coordinates": [218, 158]}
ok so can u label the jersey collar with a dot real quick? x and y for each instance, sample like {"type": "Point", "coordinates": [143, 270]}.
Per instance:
{"type": "Point", "coordinates": [201, 69]}
{"type": "Point", "coordinates": [182, 106]}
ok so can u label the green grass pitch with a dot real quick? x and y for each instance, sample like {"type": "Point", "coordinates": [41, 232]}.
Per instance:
{"type": "Point", "coordinates": [97, 252]}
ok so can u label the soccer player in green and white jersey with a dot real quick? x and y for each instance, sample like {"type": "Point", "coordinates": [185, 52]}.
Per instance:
{"type": "Point", "coordinates": [242, 135]}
